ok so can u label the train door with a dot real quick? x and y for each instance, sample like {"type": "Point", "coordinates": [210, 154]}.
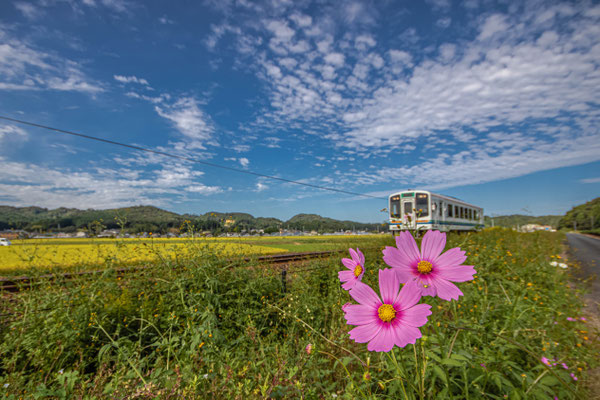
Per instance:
{"type": "Point", "coordinates": [443, 213]}
{"type": "Point", "coordinates": [408, 213]}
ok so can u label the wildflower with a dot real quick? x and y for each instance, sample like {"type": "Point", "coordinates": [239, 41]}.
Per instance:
{"type": "Point", "coordinates": [6, 385]}
{"type": "Point", "coordinates": [308, 348]}
{"type": "Point", "coordinates": [392, 319]}
{"type": "Point", "coordinates": [571, 319]}
{"type": "Point", "coordinates": [546, 361]}
{"type": "Point", "coordinates": [345, 306]}
{"type": "Point", "coordinates": [356, 265]}
{"type": "Point", "coordinates": [432, 270]}
{"type": "Point", "coordinates": [573, 376]}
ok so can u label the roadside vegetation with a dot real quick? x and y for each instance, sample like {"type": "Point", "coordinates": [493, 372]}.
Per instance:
{"type": "Point", "coordinates": [584, 218]}
{"type": "Point", "coordinates": [200, 326]}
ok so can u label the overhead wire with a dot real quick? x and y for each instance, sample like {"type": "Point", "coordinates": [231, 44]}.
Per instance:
{"type": "Point", "coordinates": [185, 158]}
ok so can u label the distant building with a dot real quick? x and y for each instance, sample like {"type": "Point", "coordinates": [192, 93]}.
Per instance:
{"type": "Point", "coordinates": [536, 227]}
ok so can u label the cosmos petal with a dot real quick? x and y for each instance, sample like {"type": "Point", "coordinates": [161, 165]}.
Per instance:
{"type": "Point", "coordinates": [416, 316]}
{"type": "Point", "coordinates": [361, 257]}
{"type": "Point", "coordinates": [355, 257]}
{"type": "Point", "coordinates": [364, 333]}
{"type": "Point", "coordinates": [461, 273]}
{"type": "Point", "coordinates": [363, 294]}
{"type": "Point", "coordinates": [345, 276]}
{"type": "Point", "coordinates": [447, 290]}
{"type": "Point", "coordinates": [405, 334]}
{"type": "Point", "coordinates": [395, 258]}
{"type": "Point", "coordinates": [432, 245]}
{"type": "Point", "coordinates": [450, 258]}
{"type": "Point", "coordinates": [348, 263]}
{"type": "Point", "coordinates": [383, 341]}
{"type": "Point", "coordinates": [357, 314]}
{"type": "Point", "coordinates": [409, 295]}
{"type": "Point", "coordinates": [408, 247]}
{"type": "Point", "coordinates": [350, 284]}
{"type": "Point", "coordinates": [388, 285]}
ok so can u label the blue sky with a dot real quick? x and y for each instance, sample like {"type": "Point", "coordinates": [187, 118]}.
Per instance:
{"type": "Point", "coordinates": [494, 103]}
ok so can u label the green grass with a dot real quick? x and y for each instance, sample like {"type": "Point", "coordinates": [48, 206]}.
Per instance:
{"type": "Point", "coordinates": [206, 328]}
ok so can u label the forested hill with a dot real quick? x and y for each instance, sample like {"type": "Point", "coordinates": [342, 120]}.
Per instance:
{"type": "Point", "coordinates": [512, 221]}
{"type": "Point", "coordinates": [583, 217]}
{"type": "Point", "coordinates": [152, 219]}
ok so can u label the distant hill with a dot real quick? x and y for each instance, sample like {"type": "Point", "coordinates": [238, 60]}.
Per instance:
{"type": "Point", "coordinates": [511, 221]}
{"type": "Point", "coordinates": [583, 217]}
{"type": "Point", "coordinates": [140, 218]}
{"type": "Point", "coordinates": [152, 219]}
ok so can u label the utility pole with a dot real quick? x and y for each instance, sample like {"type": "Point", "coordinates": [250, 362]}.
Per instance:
{"type": "Point", "coordinates": [574, 225]}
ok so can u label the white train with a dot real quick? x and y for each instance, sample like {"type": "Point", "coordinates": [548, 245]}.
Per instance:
{"type": "Point", "coordinates": [424, 210]}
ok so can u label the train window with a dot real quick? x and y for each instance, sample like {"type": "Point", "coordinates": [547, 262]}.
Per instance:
{"type": "Point", "coordinates": [440, 207]}
{"type": "Point", "coordinates": [422, 204]}
{"type": "Point", "coordinates": [475, 216]}
{"type": "Point", "coordinates": [462, 212]}
{"type": "Point", "coordinates": [469, 213]}
{"type": "Point", "coordinates": [450, 208]}
{"type": "Point", "coordinates": [456, 214]}
{"type": "Point", "coordinates": [395, 207]}
{"type": "Point", "coordinates": [408, 207]}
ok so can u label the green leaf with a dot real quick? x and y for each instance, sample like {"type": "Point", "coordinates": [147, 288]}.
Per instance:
{"type": "Point", "coordinates": [451, 362]}
{"type": "Point", "coordinates": [439, 372]}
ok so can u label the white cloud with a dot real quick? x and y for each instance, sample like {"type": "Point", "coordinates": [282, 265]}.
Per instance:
{"type": "Point", "coordinates": [11, 132]}
{"type": "Point", "coordinates": [189, 119]}
{"type": "Point", "coordinates": [494, 24]}
{"type": "Point", "coordinates": [336, 59]}
{"type": "Point", "coordinates": [244, 162]}
{"type": "Point", "coordinates": [131, 79]}
{"type": "Point", "coordinates": [28, 10]}
{"type": "Point", "coordinates": [31, 184]}
{"type": "Point", "coordinates": [241, 148]}
{"type": "Point", "coordinates": [202, 189]}
{"type": "Point", "coordinates": [165, 20]}
{"type": "Point", "coordinates": [261, 186]}
{"type": "Point", "coordinates": [590, 180]}
{"type": "Point", "coordinates": [23, 67]}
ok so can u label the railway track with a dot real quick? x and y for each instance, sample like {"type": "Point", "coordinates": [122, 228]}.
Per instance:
{"type": "Point", "coordinates": [19, 283]}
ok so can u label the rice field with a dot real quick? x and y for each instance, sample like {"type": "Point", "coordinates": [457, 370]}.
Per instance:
{"type": "Point", "coordinates": [78, 254]}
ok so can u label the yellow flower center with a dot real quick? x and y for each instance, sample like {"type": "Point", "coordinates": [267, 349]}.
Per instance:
{"type": "Point", "coordinates": [424, 267]}
{"type": "Point", "coordinates": [358, 270]}
{"type": "Point", "coordinates": [386, 312]}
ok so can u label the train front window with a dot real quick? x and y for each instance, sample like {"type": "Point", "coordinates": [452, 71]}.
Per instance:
{"type": "Point", "coordinates": [422, 204]}
{"type": "Point", "coordinates": [395, 207]}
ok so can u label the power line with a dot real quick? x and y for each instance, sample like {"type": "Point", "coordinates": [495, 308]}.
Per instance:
{"type": "Point", "coordinates": [194, 160]}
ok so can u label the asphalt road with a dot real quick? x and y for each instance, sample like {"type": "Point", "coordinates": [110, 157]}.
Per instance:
{"type": "Point", "coordinates": [586, 251]}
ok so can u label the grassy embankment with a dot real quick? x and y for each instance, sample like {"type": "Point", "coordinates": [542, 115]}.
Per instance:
{"type": "Point", "coordinates": [210, 330]}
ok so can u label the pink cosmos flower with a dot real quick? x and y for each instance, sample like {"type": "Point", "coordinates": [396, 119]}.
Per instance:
{"type": "Point", "coordinates": [432, 270]}
{"type": "Point", "coordinates": [392, 319]}
{"type": "Point", "coordinates": [356, 265]}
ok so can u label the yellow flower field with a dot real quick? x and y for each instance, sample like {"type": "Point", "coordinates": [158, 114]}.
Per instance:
{"type": "Point", "coordinates": [55, 253]}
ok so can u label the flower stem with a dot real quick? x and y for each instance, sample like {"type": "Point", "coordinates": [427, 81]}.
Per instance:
{"type": "Point", "coordinates": [400, 373]}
